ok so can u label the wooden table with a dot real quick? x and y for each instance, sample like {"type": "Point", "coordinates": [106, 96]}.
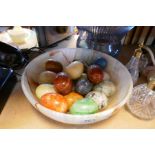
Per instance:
{"type": "Point", "coordinates": [19, 113]}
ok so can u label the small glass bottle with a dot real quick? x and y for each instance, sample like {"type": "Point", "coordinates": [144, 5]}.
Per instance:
{"type": "Point", "coordinates": [133, 65]}
{"type": "Point", "coordinates": [144, 61]}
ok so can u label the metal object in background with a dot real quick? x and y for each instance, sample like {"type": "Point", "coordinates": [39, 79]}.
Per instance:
{"type": "Point", "coordinates": [138, 34]}
{"type": "Point", "coordinates": [103, 38]}
{"type": "Point", "coordinates": [48, 35]}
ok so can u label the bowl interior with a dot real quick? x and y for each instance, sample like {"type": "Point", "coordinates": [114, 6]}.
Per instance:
{"type": "Point", "coordinates": [118, 73]}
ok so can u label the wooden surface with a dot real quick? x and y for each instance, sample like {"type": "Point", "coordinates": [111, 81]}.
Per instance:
{"type": "Point", "coordinates": [19, 113]}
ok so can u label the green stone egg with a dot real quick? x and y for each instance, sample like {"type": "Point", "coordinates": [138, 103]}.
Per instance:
{"type": "Point", "coordinates": [84, 106]}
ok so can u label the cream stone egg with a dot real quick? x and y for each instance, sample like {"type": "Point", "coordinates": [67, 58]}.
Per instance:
{"type": "Point", "coordinates": [75, 69]}
{"type": "Point", "coordinates": [44, 89]}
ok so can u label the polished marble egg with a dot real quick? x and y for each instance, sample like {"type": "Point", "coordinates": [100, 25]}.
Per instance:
{"type": "Point", "coordinates": [100, 98]}
{"type": "Point", "coordinates": [95, 74]}
{"type": "Point", "coordinates": [54, 102]}
{"type": "Point", "coordinates": [75, 69]}
{"type": "Point", "coordinates": [106, 87]}
{"type": "Point", "coordinates": [72, 98]}
{"type": "Point", "coordinates": [63, 84]}
{"type": "Point", "coordinates": [84, 106]}
{"type": "Point", "coordinates": [102, 62]}
{"type": "Point", "coordinates": [46, 77]}
{"type": "Point", "coordinates": [106, 76]}
{"type": "Point", "coordinates": [44, 89]}
{"type": "Point", "coordinates": [54, 66]}
{"type": "Point", "coordinates": [83, 76]}
{"type": "Point", "coordinates": [83, 86]}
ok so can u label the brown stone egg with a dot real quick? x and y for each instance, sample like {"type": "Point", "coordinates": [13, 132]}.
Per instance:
{"type": "Point", "coordinates": [63, 84]}
{"type": "Point", "coordinates": [54, 66]}
{"type": "Point", "coordinates": [95, 74]}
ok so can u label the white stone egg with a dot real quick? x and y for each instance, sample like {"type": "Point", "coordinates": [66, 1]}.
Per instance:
{"type": "Point", "coordinates": [106, 87]}
{"type": "Point", "coordinates": [100, 98]}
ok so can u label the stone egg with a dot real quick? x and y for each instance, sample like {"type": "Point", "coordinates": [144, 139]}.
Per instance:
{"type": "Point", "coordinates": [75, 69]}
{"type": "Point", "coordinates": [84, 106]}
{"type": "Point", "coordinates": [95, 74]}
{"type": "Point", "coordinates": [83, 76]}
{"type": "Point", "coordinates": [63, 83]}
{"type": "Point", "coordinates": [46, 77]}
{"type": "Point", "coordinates": [72, 98]}
{"type": "Point", "coordinates": [54, 102]}
{"type": "Point", "coordinates": [102, 62]}
{"type": "Point", "coordinates": [44, 89]}
{"type": "Point", "coordinates": [106, 76]}
{"type": "Point", "coordinates": [106, 87]}
{"type": "Point", "coordinates": [100, 98]}
{"type": "Point", "coordinates": [83, 86]}
{"type": "Point", "coordinates": [54, 66]}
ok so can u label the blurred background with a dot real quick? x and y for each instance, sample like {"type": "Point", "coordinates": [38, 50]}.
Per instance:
{"type": "Point", "coordinates": [53, 34]}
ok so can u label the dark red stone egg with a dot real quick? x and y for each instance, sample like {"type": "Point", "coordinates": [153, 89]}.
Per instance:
{"type": "Point", "coordinates": [63, 84]}
{"type": "Point", "coordinates": [95, 74]}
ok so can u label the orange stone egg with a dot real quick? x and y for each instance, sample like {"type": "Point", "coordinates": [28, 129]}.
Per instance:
{"type": "Point", "coordinates": [54, 102]}
{"type": "Point", "coordinates": [72, 98]}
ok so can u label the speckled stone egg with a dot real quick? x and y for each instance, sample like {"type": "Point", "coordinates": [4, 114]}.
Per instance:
{"type": "Point", "coordinates": [83, 86]}
{"type": "Point", "coordinates": [106, 87]}
{"type": "Point", "coordinates": [63, 83]}
{"type": "Point", "coordinates": [100, 98]}
{"type": "Point", "coordinates": [84, 106]}
{"type": "Point", "coordinates": [75, 69]}
{"type": "Point", "coordinates": [95, 74]}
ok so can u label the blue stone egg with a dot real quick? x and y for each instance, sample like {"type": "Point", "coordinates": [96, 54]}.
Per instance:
{"type": "Point", "coordinates": [102, 62]}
